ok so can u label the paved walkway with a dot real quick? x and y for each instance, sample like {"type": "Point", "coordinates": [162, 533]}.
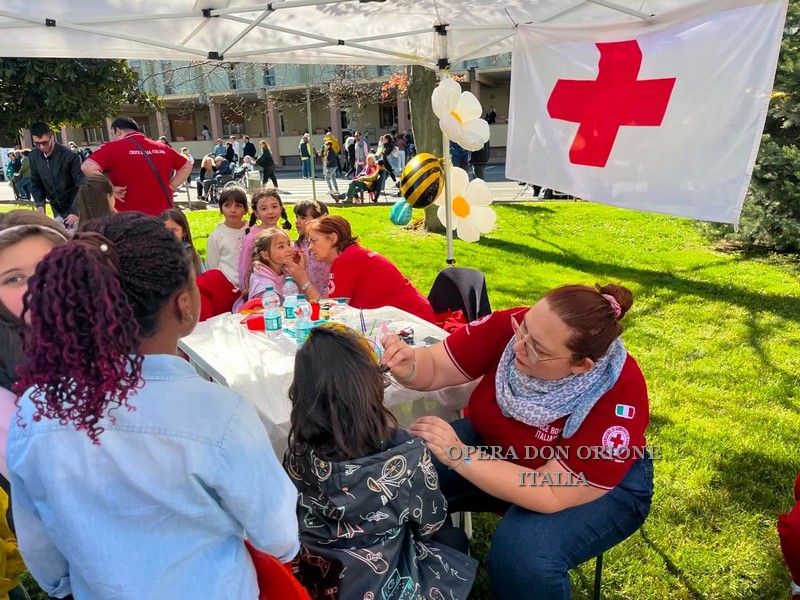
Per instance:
{"type": "Point", "coordinates": [293, 188]}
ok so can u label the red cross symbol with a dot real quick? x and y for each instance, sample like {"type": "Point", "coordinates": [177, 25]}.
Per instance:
{"type": "Point", "coordinates": [617, 440]}
{"type": "Point", "coordinates": [603, 105]}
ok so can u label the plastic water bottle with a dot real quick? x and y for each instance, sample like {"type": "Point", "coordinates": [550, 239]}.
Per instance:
{"type": "Point", "coordinates": [272, 313]}
{"type": "Point", "coordinates": [289, 299]}
{"type": "Point", "coordinates": [340, 312]}
{"type": "Point", "coordinates": [302, 324]}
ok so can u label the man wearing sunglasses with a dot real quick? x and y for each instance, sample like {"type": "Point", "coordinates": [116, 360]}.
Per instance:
{"type": "Point", "coordinates": [55, 174]}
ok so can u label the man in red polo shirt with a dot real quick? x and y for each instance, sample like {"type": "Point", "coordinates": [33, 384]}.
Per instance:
{"type": "Point", "coordinates": [144, 173]}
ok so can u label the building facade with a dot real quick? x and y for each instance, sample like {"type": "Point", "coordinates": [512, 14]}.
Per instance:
{"type": "Point", "coordinates": [269, 102]}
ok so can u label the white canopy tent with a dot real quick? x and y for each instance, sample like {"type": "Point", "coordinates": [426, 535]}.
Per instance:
{"type": "Point", "coordinates": [431, 33]}
{"type": "Point", "coordinates": [293, 31]}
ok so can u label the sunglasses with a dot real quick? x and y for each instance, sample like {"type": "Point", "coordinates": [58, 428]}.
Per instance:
{"type": "Point", "coordinates": [45, 143]}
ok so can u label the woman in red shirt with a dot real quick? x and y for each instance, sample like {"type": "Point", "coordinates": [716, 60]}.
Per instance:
{"type": "Point", "coordinates": [367, 278]}
{"type": "Point", "coordinates": [554, 435]}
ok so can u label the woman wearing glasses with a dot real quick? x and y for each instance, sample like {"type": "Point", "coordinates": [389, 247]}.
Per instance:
{"type": "Point", "coordinates": [554, 436]}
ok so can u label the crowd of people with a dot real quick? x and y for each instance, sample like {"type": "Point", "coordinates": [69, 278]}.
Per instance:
{"type": "Point", "coordinates": [352, 161]}
{"type": "Point", "coordinates": [359, 505]}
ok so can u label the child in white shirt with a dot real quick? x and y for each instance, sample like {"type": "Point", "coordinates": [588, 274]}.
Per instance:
{"type": "Point", "coordinates": [225, 242]}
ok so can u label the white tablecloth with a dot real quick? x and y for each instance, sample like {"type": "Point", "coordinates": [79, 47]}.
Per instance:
{"type": "Point", "coordinates": [261, 369]}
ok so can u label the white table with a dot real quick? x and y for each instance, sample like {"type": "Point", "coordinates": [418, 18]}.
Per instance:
{"type": "Point", "coordinates": [261, 369]}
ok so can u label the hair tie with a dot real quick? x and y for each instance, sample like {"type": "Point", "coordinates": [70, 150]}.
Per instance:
{"type": "Point", "coordinates": [102, 246]}
{"type": "Point", "coordinates": [614, 304]}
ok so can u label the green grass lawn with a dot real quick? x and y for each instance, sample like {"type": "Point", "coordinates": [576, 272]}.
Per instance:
{"type": "Point", "coordinates": [717, 337]}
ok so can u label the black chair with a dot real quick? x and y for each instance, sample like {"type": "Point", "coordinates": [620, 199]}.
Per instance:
{"type": "Point", "coordinates": [377, 188]}
{"type": "Point", "coordinates": [457, 288]}
{"type": "Point", "coordinates": [598, 576]}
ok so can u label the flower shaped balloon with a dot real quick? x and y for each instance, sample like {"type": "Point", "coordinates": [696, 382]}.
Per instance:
{"type": "Point", "coordinates": [459, 115]}
{"type": "Point", "coordinates": [469, 206]}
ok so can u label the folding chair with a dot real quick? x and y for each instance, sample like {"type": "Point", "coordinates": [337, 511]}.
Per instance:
{"type": "Point", "coordinates": [378, 187]}
{"type": "Point", "coordinates": [457, 288]}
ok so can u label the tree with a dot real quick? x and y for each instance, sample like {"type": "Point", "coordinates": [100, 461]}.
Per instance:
{"type": "Point", "coordinates": [425, 125]}
{"type": "Point", "coordinates": [771, 213]}
{"type": "Point", "coordinates": [74, 92]}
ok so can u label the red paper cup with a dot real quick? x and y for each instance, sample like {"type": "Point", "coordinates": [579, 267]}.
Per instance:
{"type": "Point", "coordinates": [255, 322]}
{"type": "Point", "coordinates": [314, 311]}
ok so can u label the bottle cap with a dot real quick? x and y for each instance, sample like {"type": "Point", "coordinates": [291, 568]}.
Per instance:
{"type": "Point", "coordinates": [290, 279]}
{"type": "Point", "coordinates": [270, 288]}
{"type": "Point", "coordinates": [301, 296]}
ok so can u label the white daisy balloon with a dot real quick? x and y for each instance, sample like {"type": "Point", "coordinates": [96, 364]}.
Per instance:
{"type": "Point", "coordinates": [459, 115]}
{"type": "Point", "coordinates": [471, 215]}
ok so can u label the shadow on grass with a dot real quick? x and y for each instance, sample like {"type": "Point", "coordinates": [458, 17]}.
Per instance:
{"type": "Point", "coordinates": [672, 568]}
{"type": "Point", "coordinates": [659, 421]}
{"type": "Point", "coordinates": [752, 478]}
{"type": "Point", "coordinates": [786, 307]}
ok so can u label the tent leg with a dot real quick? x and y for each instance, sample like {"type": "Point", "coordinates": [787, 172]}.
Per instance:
{"type": "Point", "coordinates": [447, 163]}
{"type": "Point", "coordinates": [311, 140]}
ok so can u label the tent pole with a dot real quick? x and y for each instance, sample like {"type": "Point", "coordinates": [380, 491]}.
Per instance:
{"type": "Point", "coordinates": [443, 63]}
{"type": "Point", "coordinates": [448, 201]}
{"type": "Point", "coordinates": [310, 139]}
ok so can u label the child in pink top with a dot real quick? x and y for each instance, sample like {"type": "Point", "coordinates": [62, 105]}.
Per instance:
{"type": "Point", "coordinates": [272, 250]}
{"type": "Point", "coordinates": [267, 208]}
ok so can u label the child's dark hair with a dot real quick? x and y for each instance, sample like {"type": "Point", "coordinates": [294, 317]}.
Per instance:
{"type": "Point", "coordinates": [93, 198]}
{"type": "Point", "coordinates": [260, 194]}
{"type": "Point", "coordinates": [235, 193]}
{"type": "Point", "coordinates": [310, 208]}
{"type": "Point", "coordinates": [177, 216]}
{"type": "Point", "coordinates": [337, 398]}
{"type": "Point", "coordinates": [82, 352]}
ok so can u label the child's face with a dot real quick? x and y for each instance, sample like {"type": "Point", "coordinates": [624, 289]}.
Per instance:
{"type": "Point", "coordinates": [280, 251]}
{"type": "Point", "coordinates": [233, 211]}
{"type": "Point", "coordinates": [17, 265]}
{"type": "Point", "coordinates": [176, 229]}
{"type": "Point", "coordinates": [268, 211]}
{"type": "Point", "coordinates": [301, 221]}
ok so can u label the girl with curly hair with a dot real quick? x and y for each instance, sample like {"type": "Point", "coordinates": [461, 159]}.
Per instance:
{"type": "Point", "coordinates": [114, 429]}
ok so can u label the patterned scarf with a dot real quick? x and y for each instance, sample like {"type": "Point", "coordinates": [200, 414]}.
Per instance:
{"type": "Point", "coordinates": [538, 402]}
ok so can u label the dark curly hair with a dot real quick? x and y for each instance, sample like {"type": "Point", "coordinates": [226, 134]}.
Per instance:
{"type": "Point", "coordinates": [91, 303]}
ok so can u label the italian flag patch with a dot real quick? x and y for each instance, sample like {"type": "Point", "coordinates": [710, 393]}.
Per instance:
{"type": "Point", "coordinates": [624, 411]}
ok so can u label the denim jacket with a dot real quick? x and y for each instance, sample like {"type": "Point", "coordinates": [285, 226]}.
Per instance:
{"type": "Point", "coordinates": [160, 507]}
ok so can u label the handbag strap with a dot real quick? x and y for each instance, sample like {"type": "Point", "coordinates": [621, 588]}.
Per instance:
{"type": "Point", "coordinates": [155, 171]}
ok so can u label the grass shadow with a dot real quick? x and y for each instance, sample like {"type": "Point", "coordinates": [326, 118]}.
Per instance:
{"type": "Point", "coordinates": [672, 567]}
{"type": "Point", "coordinates": [743, 475]}
{"type": "Point", "coordinates": [786, 307]}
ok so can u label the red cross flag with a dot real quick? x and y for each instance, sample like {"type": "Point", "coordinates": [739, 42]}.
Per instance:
{"type": "Point", "coordinates": [662, 115]}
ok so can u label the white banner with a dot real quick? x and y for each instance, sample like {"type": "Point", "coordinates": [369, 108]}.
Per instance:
{"type": "Point", "coordinates": [662, 115]}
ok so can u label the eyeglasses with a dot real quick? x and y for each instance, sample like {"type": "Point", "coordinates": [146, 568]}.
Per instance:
{"type": "Point", "coordinates": [520, 333]}
{"type": "Point", "coordinates": [45, 143]}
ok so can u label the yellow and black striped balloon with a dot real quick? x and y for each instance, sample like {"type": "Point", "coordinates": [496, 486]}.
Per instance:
{"type": "Point", "coordinates": [422, 180]}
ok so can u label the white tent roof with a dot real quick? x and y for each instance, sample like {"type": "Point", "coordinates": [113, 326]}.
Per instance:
{"type": "Point", "coordinates": [291, 31]}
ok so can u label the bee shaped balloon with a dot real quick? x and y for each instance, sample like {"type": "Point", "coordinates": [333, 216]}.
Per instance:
{"type": "Point", "coordinates": [422, 180]}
